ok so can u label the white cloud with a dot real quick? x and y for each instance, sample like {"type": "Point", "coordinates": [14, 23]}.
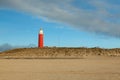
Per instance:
{"type": "Point", "coordinates": [100, 20]}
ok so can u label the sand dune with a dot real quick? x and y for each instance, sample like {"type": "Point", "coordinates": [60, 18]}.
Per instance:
{"type": "Point", "coordinates": [58, 53]}
{"type": "Point", "coordinates": [60, 64]}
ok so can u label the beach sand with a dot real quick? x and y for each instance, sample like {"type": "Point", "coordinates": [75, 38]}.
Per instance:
{"type": "Point", "coordinates": [90, 68]}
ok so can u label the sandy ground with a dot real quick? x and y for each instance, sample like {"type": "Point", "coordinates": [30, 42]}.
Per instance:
{"type": "Point", "coordinates": [92, 68]}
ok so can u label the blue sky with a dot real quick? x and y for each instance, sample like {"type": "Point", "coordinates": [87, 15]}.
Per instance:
{"type": "Point", "coordinates": [68, 23]}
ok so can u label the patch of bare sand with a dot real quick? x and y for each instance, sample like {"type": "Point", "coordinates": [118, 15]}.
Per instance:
{"type": "Point", "coordinates": [90, 68]}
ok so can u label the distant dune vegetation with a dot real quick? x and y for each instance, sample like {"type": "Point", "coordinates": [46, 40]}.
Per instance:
{"type": "Point", "coordinates": [58, 53]}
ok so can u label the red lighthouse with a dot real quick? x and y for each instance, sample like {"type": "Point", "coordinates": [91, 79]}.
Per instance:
{"type": "Point", "coordinates": [41, 39]}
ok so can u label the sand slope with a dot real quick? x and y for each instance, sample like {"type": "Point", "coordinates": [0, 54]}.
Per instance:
{"type": "Point", "coordinates": [92, 68]}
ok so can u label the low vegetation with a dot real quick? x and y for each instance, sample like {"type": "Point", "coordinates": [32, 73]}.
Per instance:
{"type": "Point", "coordinates": [58, 52]}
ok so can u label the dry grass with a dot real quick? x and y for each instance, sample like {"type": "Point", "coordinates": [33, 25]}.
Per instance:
{"type": "Point", "coordinates": [58, 52]}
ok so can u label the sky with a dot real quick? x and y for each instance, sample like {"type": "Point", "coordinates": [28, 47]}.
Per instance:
{"type": "Point", "coordinates": [66, 23]}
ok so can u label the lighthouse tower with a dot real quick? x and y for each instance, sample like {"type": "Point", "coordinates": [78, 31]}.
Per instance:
{"type": "Point", "coordinates": [40, 39]}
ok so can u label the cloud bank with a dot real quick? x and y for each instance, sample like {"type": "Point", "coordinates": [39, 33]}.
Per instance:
{"type": "Point", "coordinates": [97, 16]}
{"type": "Point", "coordinates": [7, 46]}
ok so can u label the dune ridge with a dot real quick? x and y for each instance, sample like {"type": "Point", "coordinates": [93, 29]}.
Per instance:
{"type": "Point", "coordinates": [58, 52]}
